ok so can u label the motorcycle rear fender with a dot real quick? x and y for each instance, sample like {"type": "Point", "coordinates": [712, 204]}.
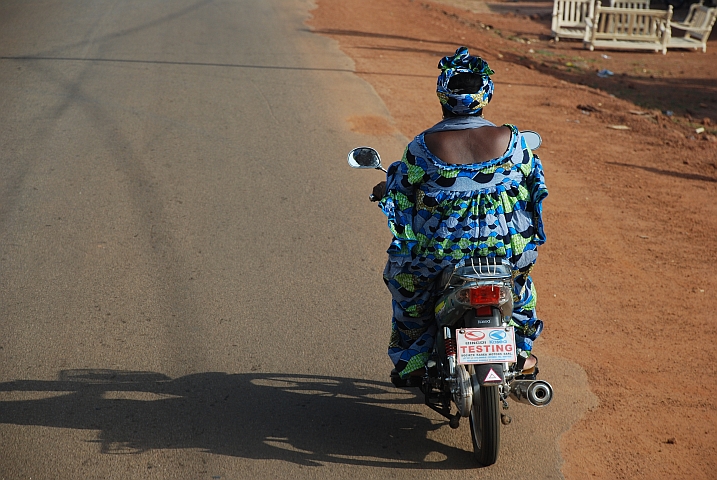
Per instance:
{"type": "Point", "coordinates": [489, 374]}
{"type": "Point", "coordinates": [472, 320]}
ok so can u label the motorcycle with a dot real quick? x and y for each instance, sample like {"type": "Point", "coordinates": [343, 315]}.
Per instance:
{"type": "Point", "coordinates": [474, 364]}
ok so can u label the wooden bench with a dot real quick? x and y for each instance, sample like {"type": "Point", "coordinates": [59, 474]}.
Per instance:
{"type": "Point", "coordinates": [569, 18]}
{"type": "Point", "coordinates": [697, 27]}
{"type": "Point", "coordinates": [641, 4]}
{"type": "Point", "coordinates": [628, 29]}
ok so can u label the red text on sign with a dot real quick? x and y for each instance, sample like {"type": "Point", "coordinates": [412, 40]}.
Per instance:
{"type": "Point", "coordinates": [486, 349]}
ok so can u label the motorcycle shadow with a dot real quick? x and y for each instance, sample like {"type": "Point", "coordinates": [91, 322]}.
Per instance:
{"type": "Point", "coordinates": [303, 419]}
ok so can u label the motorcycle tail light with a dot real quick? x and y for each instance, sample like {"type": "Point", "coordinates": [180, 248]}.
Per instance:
{"type": "Point", "coordinates": [478, 295]}
{"type": "Point", "coordinates": [484, 295]}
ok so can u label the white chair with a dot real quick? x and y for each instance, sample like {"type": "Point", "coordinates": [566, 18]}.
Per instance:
{"type": "Point", "coordinates": [569, 18]}
{"type": "Point", "coordinates": [697, 27]}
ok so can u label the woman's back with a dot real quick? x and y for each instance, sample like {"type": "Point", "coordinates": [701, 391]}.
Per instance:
{"type": "Point", "coordinates": [475, 145]}
{"type": "Point", "coordinates": [460, 192]}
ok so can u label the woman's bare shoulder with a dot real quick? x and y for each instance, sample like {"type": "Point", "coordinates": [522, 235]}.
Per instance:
{"type": "Point", "coordinates": [492, 138]}
{"type": "Point", "coordinates": [469, 146]}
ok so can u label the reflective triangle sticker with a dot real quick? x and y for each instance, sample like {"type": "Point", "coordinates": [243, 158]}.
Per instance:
{"type": "Point", "coordinates": [492, 377]}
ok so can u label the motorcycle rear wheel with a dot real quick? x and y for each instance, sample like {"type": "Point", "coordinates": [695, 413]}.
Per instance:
{"type": "Point", "coordinates": [485, 425]}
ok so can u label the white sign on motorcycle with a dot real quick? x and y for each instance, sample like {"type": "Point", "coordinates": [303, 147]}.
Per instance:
{"type": "Point", "coordinates": [485, 345]}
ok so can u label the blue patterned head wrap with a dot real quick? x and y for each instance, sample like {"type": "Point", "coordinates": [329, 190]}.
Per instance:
{"type": "Point", "coordinates": [464, 103]}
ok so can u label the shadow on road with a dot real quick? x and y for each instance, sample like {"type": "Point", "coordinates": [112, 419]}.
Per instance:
{"type": "Point", "coordinates": [307, 420]}
{"type": "Point", "coordinates": [659, 171]}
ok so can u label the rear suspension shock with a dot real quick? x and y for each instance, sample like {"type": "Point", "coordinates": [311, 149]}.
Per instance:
{"type": "Point", "coordinates": [450, 346]}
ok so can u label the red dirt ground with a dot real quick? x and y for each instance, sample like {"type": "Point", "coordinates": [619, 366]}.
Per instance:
{"type": "Point", "coordinates": [627, 275]}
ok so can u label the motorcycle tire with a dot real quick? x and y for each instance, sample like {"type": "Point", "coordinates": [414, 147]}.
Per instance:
{"type": "Point", "coordinates": [485, 425]}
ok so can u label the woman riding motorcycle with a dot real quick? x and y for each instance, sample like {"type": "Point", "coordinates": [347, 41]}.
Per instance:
{"type": "Point", "coordinates": [464, 188]}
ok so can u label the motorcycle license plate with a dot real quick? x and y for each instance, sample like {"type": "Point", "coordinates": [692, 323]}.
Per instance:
{"type": "Point", "coordinates": [485, 345]}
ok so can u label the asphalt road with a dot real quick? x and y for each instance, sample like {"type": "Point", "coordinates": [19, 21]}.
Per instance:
{"type": "Point", "coordinates": [189, 271]}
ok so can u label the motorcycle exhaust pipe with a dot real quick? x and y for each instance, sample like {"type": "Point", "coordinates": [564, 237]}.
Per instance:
{"type": "Point", "coordinates": [537, 393]}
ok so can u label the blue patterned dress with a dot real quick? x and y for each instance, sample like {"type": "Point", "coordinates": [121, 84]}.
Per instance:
{"type": "Point", "coordinates": [441, 214]}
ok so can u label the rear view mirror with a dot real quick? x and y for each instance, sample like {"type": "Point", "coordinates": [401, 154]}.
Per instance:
{"type": "Point", "coordinates": [364, 157]}
{"type": "Point", "coordinates": [532, 139]}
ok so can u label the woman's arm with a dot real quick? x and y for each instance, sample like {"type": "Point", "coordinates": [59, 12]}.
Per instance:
{"type": "Point", "coordinates": [398, 204]}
